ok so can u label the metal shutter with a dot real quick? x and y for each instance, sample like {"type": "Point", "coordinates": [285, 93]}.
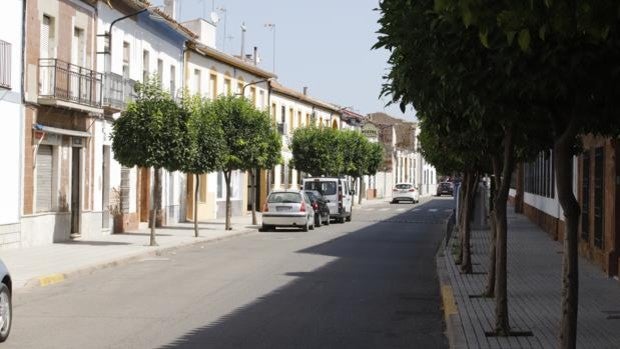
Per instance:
{"type": "Point", "coordinates": [45, 37]}
{"type": "Point", "coordinates": [44, 178]}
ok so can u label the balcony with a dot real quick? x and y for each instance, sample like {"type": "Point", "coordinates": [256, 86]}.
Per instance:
{"type": "Point", "coordinates": [66, 85]}
{"type": "Point", "coordinates": [118, 91]}
{"type": "Point", "coordinates": [5, 64]}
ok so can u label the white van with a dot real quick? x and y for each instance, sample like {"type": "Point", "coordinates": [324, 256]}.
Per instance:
{"type": "Point", "coordinates": [337, 192]}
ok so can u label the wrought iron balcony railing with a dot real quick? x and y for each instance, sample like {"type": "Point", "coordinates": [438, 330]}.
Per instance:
{"type": "Point", "coordinates": [59, 80]}
{"type": "Point", "coordinates": [5, 64]}
{"type": "Point", "coordinates": [118, 91]}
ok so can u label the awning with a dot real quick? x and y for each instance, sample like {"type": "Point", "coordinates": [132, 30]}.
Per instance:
{"type": "Point", "coordinates": [60, 131]}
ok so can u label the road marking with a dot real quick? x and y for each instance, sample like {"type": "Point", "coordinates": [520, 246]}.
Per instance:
{"type": "Point", "coordinates": [432, 210]}
{"type": "Point", "coordinates": [449, 306]}
{"type": "Point", "coordinates": [401, 209]}
{"type": "Point", "coordinates": [415, 209]}
{"type": "Point", "coordinates": [51, 279]}
{"type": "Point", "coordinates": [384, 209]}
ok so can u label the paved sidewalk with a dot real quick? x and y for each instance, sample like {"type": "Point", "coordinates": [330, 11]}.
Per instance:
{"type": "Point", "coordinates": [44, 265]}
{"type": "Point", "coordinates": [534, 282]}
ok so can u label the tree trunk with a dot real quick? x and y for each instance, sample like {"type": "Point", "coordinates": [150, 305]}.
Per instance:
{"type": "Point", "coordinates": [156, 204]}
{"type": "Point", "coordinates": [490, 288]}
{"type": "Point", "coordinates": [459, 222]}
{"type": "Point", "coordinates": [253, 173]}
{"type": "Point", "coordinates": [197, 176]}
{"type": "Point", "coordinates": [563, 162]}
{"type": "Point", "coordinates": [502, 324]}
{"type": "Point", "coordinates": [470, 198]}
{"type": "Point", "coordinates": [227, 175]}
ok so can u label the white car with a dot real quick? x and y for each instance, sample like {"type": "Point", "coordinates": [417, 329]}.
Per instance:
{"type": "Point", "coordinates": [5, 302]}
{"type": "Point", "coordinates": [405, 192]}
{"type": "Point", "coordinates": [288, 208]}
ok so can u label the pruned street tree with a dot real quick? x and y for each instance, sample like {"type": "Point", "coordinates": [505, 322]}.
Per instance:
{"type": "Point", "coordinates": [206, 145]}
{"type": "Point", "coordinates": [314, 151]}
{"type": "Point", "coordinates": [152, 133]}
{"type": "Point", "coordinates": [250, 140]}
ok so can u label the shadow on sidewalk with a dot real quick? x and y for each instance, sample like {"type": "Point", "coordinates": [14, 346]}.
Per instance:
{"type": "Point", "coordinates": [93, 243]}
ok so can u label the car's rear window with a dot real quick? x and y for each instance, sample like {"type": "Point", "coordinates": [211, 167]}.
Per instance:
{"type": "Point", "coordinates": [284, 198]}
{"type": "Point", "coordinates": [404, 186]}
{"type": "Point", "coordinates": [325, 188]}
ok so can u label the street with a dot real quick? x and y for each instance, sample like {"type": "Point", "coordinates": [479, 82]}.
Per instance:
{"type": "Point", "coordinates": [369, 283]}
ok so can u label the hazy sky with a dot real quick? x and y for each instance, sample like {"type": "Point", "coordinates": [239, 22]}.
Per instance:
{"type": "Point", "coordinates": [322, 44]}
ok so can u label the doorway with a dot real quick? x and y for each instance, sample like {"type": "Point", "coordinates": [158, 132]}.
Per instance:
{"type": "Point", "coordinates": [105, 190]}
{"type": "Point", "coordinates": [189, 195]}
{"type": "Point", "coordinates": [75, 191]}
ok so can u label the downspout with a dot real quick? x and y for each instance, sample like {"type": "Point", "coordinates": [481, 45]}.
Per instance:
{"type": "Point", "coordinates": [22, 110]}
{"type": "Point", "coordinates": [269, 108]}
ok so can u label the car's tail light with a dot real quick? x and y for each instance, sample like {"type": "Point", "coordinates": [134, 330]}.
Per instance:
{"type": "Point", "coordinates": [265, 207]}
{"type": "Point", "coordinates": [412, 190]}
{"type": "Point", "coordinates": [394, 189]}
{"type": "Point", "coordinates": [302, 208]}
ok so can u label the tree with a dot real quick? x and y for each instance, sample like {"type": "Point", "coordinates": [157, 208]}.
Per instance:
{"type": "Point", "coordinates": [315, 151]}
{"type": "Point", "coordinates": [454, 81]}
{"type": "Point", "coordinates": [206, 144]}
{"type": "Point", "coordinates": [250, 140]}
{"type": "Point", "coordinates": [567, 53]}
{"type": "Point", "coordinates": [152, 132]}
{"type": "Point", "coordinates": [355, 151]}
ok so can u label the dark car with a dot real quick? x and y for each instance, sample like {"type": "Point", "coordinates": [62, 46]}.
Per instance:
{"type": "Point", "coordinates": [5, 302]}
{"type": "Point", "coordinates": [321, 210]}
{"type": "Point", "coordinates": [445, 188]}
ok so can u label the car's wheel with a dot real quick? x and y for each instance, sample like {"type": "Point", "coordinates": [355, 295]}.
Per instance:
{"type": "Point", "coordinates": [305, 228]}
{"type": "Point", "coordinates": [317, 221]}
{"type": "Point", "coordinates": [349, 217]}
{"type": "Point", "coordinates": [266, 228]}
{"type": "Point", "coordinates": [6, 312]}
{"type": "Point", "coordinates": [328, 220]}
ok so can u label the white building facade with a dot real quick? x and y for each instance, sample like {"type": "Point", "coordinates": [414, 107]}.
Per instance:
{"type": "Point", "coordinates": [11, 109]}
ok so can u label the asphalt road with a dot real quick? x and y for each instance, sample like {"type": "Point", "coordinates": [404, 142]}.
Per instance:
{"type": "Point", "coordinates": [370, 283]}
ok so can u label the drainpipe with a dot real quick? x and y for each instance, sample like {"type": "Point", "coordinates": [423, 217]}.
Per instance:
{"type": "Point", "coordinates": [22, 122]}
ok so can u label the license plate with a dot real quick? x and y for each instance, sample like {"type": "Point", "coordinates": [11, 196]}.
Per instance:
{"type": "Point", "coordinates": [282, 208]}
{"type": "Point", "coordinates": [404, 191]}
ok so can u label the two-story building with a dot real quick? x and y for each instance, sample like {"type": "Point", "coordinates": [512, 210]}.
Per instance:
{"type": "Point", "coordinates": [63, 95]}
{"type": "Point", "coordinates": [211, 73]}
{"type": "Point", "coordinates": [11, 109]}
{"type": "Point", "coordinates": [135, 42]}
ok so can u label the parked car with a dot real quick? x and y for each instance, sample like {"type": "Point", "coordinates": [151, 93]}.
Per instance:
{"type": "Point", "coordinates": [6, 303]}
{"type": "Point", "coordinates": [288, 208]}
{"type": "Point", "coordinates": [445, 188]}
{"type": "Point", "coordinates": [405, 192]}
{"type": "Point", "coordinates": [321, 210]}
{"type": "Point", "coordinates": [338, 194]}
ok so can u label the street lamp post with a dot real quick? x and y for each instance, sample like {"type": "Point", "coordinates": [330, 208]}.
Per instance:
{"type": "Point", "coordinates": [254, 171]}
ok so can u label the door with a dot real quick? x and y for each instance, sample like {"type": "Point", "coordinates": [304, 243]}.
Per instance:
{"type": "Point", "coordinates": [189, 197]}
{"type": "Point", "coordinates": [75, 190]}
{"type": "Point", "coordinates": [105, 188]}
{"type": "Point", "coordinates": [145, 185]}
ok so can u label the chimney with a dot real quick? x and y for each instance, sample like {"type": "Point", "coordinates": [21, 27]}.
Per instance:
{"type": "Point", "coordinates": [170, 8]}
{"type": "Point", "coordinates": [305, 90]}
{"type": "Point", "coordinates": [255, 55]}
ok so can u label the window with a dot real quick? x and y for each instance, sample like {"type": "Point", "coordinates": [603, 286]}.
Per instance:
{"type": "Point", "coordinates": [126, 59]}
{"type": "Point", "coordinates": [585, 196]}
{"type": "Point", "coordinates": [5, 64]}
{"type": "Point", "coordinates": [539, 176]}
{"type": "Point", "coordinates": [284, 198]}
{"type": "Point", "coordinates": [253, 95]}
{"type": "Point", "coordinates": [283, 115]}
{"type": "Point", "coordinates": [299, 121]}
{"type": "Point", "coordinates": [599, 165]}
{"type": "Point", "coordinates": [261, 100]}
{"type": "Point", "coordinates": [213, 86]}
{"type": "Point", "coordinates": [227, 87]}
{"type": "Point", "coordinates": [47, 42]}
{"type": "Point", "coordinates": [240, 87]}
{"type": "Point", "coordinates": [44, 175]}
{"type": "Point", "coordinates": [197, 82]}
{"type": "Point", "coordinates": [290, 176]}
{"type": "Point", "coordinates": [145, 66]}
{"type": "Point", "coordinates": [283, 174]}
{"type": "Point", "coordinates": [78, 47]}
{"type": "Point", "coordinates": [290, 118]}
{"type": "Point", "coordinates": [160, 72]}
{"type": "Point", "coordinates": [273, 111]}
{"type": "Point", "coordinates": [173, 75]}
{"type": "Point", "coordinates": [323, 187]}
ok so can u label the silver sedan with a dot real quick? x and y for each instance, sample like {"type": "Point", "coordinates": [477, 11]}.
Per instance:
{"type": "Point", "coordinates": [5, 302]}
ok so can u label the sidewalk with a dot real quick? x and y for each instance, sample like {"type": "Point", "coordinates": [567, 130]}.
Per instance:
{"type": "Point", "coordinates": [44, 265]}
{"type": "Point", "coordinates": [534, 282]}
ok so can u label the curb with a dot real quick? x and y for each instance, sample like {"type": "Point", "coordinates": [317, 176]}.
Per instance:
{"type": "Point", "coordinates": [454, 327]}
{"type": "Point", "coordinates": [55, 278]}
